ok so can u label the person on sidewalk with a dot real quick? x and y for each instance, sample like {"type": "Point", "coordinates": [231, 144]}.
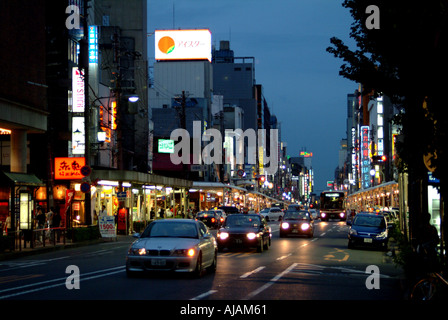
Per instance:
{"type": "Point", "coordinates": [40, 217]}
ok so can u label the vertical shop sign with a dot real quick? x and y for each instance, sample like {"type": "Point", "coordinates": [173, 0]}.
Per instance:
{"type": "Point", "coordinates": [365, 158]}
{"type": "Point", "coordinates": [78, 90]}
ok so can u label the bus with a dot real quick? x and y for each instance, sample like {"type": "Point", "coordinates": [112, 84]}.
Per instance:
{"type": "Point", "coordinates": [332, 205]}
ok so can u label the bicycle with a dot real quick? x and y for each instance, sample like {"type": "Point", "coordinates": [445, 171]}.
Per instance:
{"type": "Point", "coordinates": [425, 288]}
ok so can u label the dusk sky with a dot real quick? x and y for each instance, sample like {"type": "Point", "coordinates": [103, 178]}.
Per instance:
{"type": "Point", "coordinates": [288, 39]}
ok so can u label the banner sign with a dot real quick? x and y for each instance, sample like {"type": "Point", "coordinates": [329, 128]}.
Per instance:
{"type": "Point", "coordinates": [107, 226]}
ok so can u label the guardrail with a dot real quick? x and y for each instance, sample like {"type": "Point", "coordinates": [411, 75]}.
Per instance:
{"type": "Point", "coordinates": [24, 239]}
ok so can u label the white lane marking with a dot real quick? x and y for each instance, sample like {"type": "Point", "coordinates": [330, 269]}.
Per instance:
{"type": "Point", "coordinates": [103, 273]}
{"type": "Point", "coordinates": [284, 257]}
{"type": "Point", "coordinates": [203, 295]}
{"type": "Point", "coordinates": [252, 272]}
{"type": "Point", "coordinates": [271, 282]}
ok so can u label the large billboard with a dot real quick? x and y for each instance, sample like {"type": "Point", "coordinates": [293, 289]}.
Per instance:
{"type": "Point", "coordinates": [183, 44]}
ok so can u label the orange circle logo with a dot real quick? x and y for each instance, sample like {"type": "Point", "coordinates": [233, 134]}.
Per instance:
{"type": "Point", "coordinates": [166, 45]}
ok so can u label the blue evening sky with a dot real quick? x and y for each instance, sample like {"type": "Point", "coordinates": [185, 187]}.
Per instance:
{"type": "Point", "coordinates": [288, 39]}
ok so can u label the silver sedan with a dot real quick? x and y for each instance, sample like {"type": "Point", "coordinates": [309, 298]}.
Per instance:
{"type": "Point", "coordinates": [180, 245]}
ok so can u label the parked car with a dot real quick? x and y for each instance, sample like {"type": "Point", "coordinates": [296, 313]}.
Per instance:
{"type": "Point", "coordinates": [297, 223]}
{"type": "Point", "coordinates": [368, 229]}
{"type": "Point", "coordinates": [211, 218]}
{"type": "Point", "coordinates": [274, 214]}
{"type": "Point", "coordinates": [179, 245]}
{"type": "Point", "coordinates": [244, 231]}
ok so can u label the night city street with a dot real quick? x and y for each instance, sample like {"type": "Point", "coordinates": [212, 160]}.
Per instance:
{"type": "Point", "coordinates": [224, 158]}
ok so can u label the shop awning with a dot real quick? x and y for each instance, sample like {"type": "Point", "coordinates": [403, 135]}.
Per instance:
{"type": "Point", "coordinates": [20, 179]}
{"type": "Point", "coordinates": [215, 185]}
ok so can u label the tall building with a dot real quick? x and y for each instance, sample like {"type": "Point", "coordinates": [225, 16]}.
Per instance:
{"type": "Point", "coordinates": [118, 72]}
{"type": "Point", "coordinates": [234, 79]}
{"type": "Point", "coordinates": [181, 96]}
{"type": "Point", "coordinates": [24, 109]}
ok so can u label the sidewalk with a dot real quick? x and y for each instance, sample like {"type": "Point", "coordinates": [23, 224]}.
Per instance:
{"type": "Point", "coordinates": [39, 248]}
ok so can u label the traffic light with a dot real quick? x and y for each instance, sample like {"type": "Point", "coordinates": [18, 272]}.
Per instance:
{"type": "Point", "coordinates": [379, 159]}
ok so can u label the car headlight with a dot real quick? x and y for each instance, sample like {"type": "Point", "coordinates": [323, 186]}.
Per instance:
{"type": "Point", "coordinates": [382, 235]}
{"type": "Point", "coordinates": [353, 232]}
{"type": "Point", "coordinates": [342, 214]}
{"type": "Point", "coordinates": [223, 235]}
{"type": "Point", "coordinates": [137, 251]}
{"type": "Point", "coordinates": [185, 252]}
{"type": "Point", "coordinates": [285, 225]}
{"type": "Point", "coordinates": [323, 214]}
{"type": "Point", "coordinates": [251, 236]}
{"type": "Point", "coordinates": [305, 226]}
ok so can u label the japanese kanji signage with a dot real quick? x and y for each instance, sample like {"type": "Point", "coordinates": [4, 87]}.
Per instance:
{"type": "Point", "coordinates": [365, 157]}
{"type": "Point", "coordinates": [68, 168]}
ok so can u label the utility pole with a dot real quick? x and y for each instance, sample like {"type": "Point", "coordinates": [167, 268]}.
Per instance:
{"type": "Point", "coordinates": [84, 64]}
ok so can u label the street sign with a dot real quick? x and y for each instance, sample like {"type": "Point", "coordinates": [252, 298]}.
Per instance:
{"type": "Point", "coordinates": [86, 171]}
{"type": "Point", "coordinates": [121, 196]}
{"type": "Point", "coordinates": [85, 187]}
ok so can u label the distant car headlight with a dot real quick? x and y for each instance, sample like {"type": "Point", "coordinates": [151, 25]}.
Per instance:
{"type": "Point", "coordinates": [323, 214]}
{"type": "Point", "coordinates": [223, 235]}
{"type": "Point", "coordinates": [285, 225]}
{"type": "Point", "coordinates": [251, 236]}
{"type": "Point", "coordinates": [305, 226]}
{"type": "Point", "coordinates": [342, 214]}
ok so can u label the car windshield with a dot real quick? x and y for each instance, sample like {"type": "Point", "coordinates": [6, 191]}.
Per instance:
{"type": "Point", "coordinates": [369, 221]}
{"type": "Point", "coordinates": [170, 230]}
{"type": "Point", "coordinates": [243, 221]}
{"type": "Point", "coordinates": [296, 215]}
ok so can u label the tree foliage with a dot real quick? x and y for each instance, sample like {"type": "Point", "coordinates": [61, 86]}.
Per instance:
{"type": "Point", "coordinates": [406, 58]}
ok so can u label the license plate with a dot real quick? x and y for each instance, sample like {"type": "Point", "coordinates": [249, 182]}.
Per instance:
{"type": "Point", "coordinates": [368, 240]}
{"type": "Point", "coordinates": [158, 262]}
{"type": "Point", "coordinates": [295, 231]}
{"type": "Point", "coordinates": [238, 241]}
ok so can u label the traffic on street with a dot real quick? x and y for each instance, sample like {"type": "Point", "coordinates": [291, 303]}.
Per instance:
{"type": "Point", "coordinates": [293, 268]}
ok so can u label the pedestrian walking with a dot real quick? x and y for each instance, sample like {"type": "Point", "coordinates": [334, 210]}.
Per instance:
{"type": "Point", "coordinates": [40, 217]}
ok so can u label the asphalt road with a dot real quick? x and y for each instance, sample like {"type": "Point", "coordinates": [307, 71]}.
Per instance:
{"type": "Point", "coordinates": [320, 268]}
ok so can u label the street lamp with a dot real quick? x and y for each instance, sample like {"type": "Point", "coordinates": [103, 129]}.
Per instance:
{"type": "Point", "coordinates": [133, 98]}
